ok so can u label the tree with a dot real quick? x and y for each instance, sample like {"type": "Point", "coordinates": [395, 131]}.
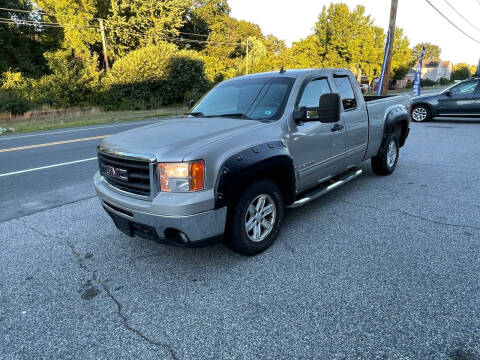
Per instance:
{"type": "Point", "coordinates": [199, 19]}
{"type": "Point", "coordinates": [22, 46]}
{"type": "Point", "coordinates": [343, 38]}
{"type": "Point", "coordinates": [402, 56]}
{"type": "Point", "coordinates": [137, 23]}
{"type": "Point", "coordinates": [80, 24]}
{"type": "Point", "coordinates": [226, 50]}
{"type": "Point", "coordinates": [461, 71]}
{"type": "Point", "coordinates": [432, 52]}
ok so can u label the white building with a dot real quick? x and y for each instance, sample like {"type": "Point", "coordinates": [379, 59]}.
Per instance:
{"type": "Point", "coordinates": [436, 69]}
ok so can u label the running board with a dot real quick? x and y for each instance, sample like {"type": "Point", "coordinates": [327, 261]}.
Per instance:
{"type": "Point", "coordinates": [326, 189]}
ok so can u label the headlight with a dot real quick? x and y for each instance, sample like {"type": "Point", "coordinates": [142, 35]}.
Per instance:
{"type": "Point", "coordinates": [181, 177]}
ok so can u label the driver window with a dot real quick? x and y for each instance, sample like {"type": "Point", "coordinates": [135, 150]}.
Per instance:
{"type": "Point", "coordinates": [313, 91]}
{"type": "Point", "coordinates": [465, 88]}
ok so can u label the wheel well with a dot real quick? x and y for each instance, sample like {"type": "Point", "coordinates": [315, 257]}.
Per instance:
{"type": "Point", "coordinates": [281, 175]}
{"type": "Point", "coordinates": [423, 104]}
{"type": "Point", "coordinates": [402, 129]}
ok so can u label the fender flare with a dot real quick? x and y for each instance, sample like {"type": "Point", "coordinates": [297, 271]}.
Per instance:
{"type": "Point", "coordinates": [393, 118]}
{"type": "Point", "coordinates": [269, 160]}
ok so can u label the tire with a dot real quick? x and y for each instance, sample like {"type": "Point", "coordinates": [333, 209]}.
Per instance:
{"type": "Point", "coordinates": [242, 217]}
{"type": "Point", "coordinates": [386, 162]}
{"type": "Point", "coordinates": [421, 113]}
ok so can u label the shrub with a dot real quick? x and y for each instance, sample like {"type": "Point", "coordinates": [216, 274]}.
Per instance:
{"type": "Point", "coordinates": [73, 81]}
{"type": "Point", "coordinates": [145, 64]}
{"type": "Point", "coordinates": [14, 90]}
{"type": "Point", "coordinates": [14, 102]}
{"type": "Point", "coordinates": [427, 82]}
{"type": "Point", "coordinates": [154, 76]}
{"type": "Point", "coordinates": [444, 81]}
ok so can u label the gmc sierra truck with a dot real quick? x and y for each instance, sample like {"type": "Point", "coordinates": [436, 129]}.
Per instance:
{"type": "Point", "coordinates": [249, 148]}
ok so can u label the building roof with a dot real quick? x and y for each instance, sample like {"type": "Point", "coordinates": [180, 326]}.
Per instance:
{"type": "Point", "coordinates": [434, 63]}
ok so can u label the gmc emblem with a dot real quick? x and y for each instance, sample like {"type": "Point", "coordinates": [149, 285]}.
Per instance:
{"type": "Point", "coordinates": [116, 173]}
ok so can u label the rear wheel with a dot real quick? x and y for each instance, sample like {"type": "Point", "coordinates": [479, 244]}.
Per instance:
{"type": "Point", "coordinates": [421, 113]}
{"type": "Point", "coordinates": [385, 163]}
{"type": "Point", "coordinates": [255, 218]}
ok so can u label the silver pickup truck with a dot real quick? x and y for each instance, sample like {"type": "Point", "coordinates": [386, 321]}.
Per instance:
{"type": "Point", "coordinates": [249, 148]}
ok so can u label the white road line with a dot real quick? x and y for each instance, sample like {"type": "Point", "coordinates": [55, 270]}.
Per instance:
{"type": "Point", "coordinates": [47, 167]}
{"type": "Point", "coordinates": [6, 137]}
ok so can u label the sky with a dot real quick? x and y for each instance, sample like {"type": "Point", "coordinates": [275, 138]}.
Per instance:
{"type": "Point", "coordinates": [293, 20]}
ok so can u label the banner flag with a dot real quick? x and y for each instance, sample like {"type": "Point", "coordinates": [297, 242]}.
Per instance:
{"type": "Point", "coordinates": [382, 75]}
{"type": "Point", "coordinates": [418, 73]}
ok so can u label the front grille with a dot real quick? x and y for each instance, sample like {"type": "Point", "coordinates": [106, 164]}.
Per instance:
{"type": "Point", "coordinates": [134, 174]}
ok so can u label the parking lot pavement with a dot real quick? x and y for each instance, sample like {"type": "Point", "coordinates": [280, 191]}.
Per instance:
{"type": "Point", "coordinates": [385, 268]}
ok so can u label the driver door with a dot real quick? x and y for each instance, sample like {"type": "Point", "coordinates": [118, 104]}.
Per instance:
{"type": "Point", "coordinates": [318, 148]}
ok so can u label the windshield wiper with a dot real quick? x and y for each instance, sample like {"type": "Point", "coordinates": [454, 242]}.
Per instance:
{"type": "Point", "coordinates": [196, 114]}
{"type": "Point", "coordinates": [242, 115]}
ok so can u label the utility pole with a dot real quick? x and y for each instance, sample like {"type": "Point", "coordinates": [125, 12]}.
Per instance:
{"type": "Point", "coordinates": [104, 44]}
{"type": "Point", "coordinates": [388, 62]}
{"type": "Point", "coordinates": [247, 56]}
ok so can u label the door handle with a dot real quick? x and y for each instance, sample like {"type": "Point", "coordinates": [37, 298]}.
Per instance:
{"type": "Point", "coordinates": [337, 127]}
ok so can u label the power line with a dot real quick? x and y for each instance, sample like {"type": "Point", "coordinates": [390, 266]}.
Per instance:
{"type": "Point", "coordinates": [53, 14]}
{"type": "Point", "coordinates": [43, 24]}
{"type": "Point", "coordinates": [463, 17]}
{"type": "Point", "coordinates": [20, 11]}
{"type": "Point", "coordinates": [451, 22]}
{"type": "Point", "coordinates": [38, 11]}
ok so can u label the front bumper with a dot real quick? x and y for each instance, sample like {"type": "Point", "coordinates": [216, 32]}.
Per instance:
{"type": "Point", "coordinates": [182, 226]}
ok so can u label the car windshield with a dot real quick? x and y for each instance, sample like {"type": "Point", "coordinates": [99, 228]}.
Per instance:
{"type": "Point", "coordinates": [255, 99]}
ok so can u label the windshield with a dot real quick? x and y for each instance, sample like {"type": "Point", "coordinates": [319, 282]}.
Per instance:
{"type": "Point", "coordinates": [256, 99]}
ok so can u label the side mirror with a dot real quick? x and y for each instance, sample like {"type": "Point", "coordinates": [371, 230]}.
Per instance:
{"type": "Point", "coordinates": [191, 103]}
{"type": "Point", "coordinates": [329, 108]}
{"type": "Point", "coordinates": [448, 93]}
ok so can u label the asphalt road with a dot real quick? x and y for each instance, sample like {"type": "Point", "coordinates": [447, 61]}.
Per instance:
{"type": "Point", "coordinates": [382, 268]}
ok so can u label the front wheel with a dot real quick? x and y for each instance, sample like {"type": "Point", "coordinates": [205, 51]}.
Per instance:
{"type": "Point", "coordinates": [421, 113]}
{"type": "Point", "coordinates": [385, 164]}
{"type": "Point", "coordinates": [255, 218]}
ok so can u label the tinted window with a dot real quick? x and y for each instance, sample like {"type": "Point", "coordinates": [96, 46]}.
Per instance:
{"type": "Point", "coordinates": [313, 91]}
{"type": "Point", "coordinates": [465, 88]}
{"type": "Point", "coordinates": [345, 90]}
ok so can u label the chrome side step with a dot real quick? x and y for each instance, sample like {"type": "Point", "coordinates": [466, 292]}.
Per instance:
{"type": "Point", "coordinates": [326, 189]}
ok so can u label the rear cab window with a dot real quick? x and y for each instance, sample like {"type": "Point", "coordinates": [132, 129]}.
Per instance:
{"type": "Point", "coordinates": [345, 89]}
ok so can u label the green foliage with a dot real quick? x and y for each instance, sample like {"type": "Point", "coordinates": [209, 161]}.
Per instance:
{"type": "Point", "coordinates": [22, 46]}
{"type": "Point", "coordinates": [79, 17]}
{"type": "Point", "coordinates": [432, 52]}
{"type": "Point", "coordinates": [138, 23]}
{"type": "Point", "coordinates": [13, 101]}
{"type": "Point", "coordinates": [73, 81]}
{"type": "Point", "coordinates": [199, 19]}
{"type": "Point", "coordinates": [145, 64]}
{"type": "Point", "coordinates": [154, 76]}
{"type": "Point", "coordinates": [427, 82]}
{"type": "Point", "coordinates": [13, 93]}
{"type": "Point", "coordinates": [444, 81]}
{"type": "Point", "coordinates": [461, 71]}
{"type": "Point", "coordinates": [399, 73]}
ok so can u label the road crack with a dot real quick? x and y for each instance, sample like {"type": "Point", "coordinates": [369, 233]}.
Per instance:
{"type": "Point", "coordinates": [403, 212]}
{"type": "Point", "coordinates": [108, 292]}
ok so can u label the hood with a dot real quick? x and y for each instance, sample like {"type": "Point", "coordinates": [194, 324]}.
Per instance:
{"type": "Point", "coordinates": [172, 139]}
